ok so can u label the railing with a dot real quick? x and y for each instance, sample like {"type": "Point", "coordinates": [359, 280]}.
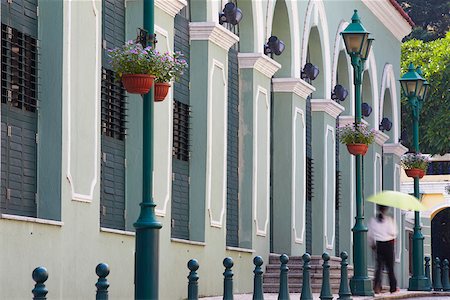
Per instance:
{"type": "Point", "coordinates": [440, 279]}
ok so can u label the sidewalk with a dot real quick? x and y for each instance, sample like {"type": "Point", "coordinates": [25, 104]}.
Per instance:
{"type": "Point", "coordinates": [402, 294]}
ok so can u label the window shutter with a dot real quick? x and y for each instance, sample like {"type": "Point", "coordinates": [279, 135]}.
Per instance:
{"type": "Point", "coordinates": [19, 104]}
{"type": "Point", "coordinates": [113, 125]}
{"type": "Point", "coordinates": [233, 150]}
{"type": "Point", "coordinates": [181, 128]}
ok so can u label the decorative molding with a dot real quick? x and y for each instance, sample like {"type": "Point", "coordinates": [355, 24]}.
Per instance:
{"type": "Point", "coordinates": [210, 31]}
{"type": "Point", "coordinates": [260, 62]}
{"type": "Point", "coordinates": [209, 170]}
{"type": "Point", "coordinates": [346, 120]}
{"type": "Point", "coordinates": [328, 106]}
{"type": "Point", "coordinates": [162, 212]}
{"type": "Point", "coordinates": [298, 112]}
{"type": "Point", "coordinates": [31, 220]}
{"type": "Point", "coordinates": [74, 195]}
{"type": "Point", "coordinates": [390, 17]}
{"type": "Point", "coordinates": [257, 146]}
{"type": "Point", "coordinates": [293, 85]}
{"type": "Point", "coordinates": [380, 137]}
{"type": "Point", "coordinates": [396, 149]}
{"type": "Point", "coordinates": [171, 7]}
{"type": "Point", "coordinates": [329, 129]}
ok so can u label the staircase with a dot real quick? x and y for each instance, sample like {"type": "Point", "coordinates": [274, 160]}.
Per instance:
{"type": "Point", "coordinates": [272, 275]}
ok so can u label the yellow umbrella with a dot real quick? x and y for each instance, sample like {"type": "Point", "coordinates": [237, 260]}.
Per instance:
{"type": "Point", "coordinates": [397, 200]}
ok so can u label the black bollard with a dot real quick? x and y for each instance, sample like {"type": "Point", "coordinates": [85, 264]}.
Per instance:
{"type": "Point", "coordinates": [102, 270]}
{"type": "Point", "coordinates": [344, 290]}
{"type": "Point", "coordinates": [306, 285]}
{"type": "Point", "coordinates": [325, 292]}
{"type": "Point", "coordinates": [437, 281]}
{"type": "Point", "coordinates": [427, 271]}
{"type": "Point", "coordinates": [228, 279]}
{"type": "Point", "coordinates": [258, 279]}
{"type": "Point", "coordinates": [445, 282]}
{"type": "Point", "coordinates": [283, 293]}
{"type": "Point", "coordinates": [40, 275]}
{"type": "Point", "coordinates": [193, 279]}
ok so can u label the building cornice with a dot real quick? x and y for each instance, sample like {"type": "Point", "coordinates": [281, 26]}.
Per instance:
{"type": "Point", "coordinates": [380, 137]}
{"type": "Point", "coordinates": [346, 120]}
{"type": "Point", "coordinates": [259, 62]}
{"type": "Point", "coordinates": [396, 149]}
{"type": "Point", "coordinates": [171, 7]}
{"type": "Point", "coordinates": [293, 85]}
{"type": "Point", "coordinates": [390, 17]}
{"type": "Point", "coordinates": [210, 31]}
{"type": "Point", "coordinates": [328, 106]}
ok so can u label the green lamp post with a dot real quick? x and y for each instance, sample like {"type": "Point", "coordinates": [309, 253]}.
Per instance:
{"type": "Point", "coordinates": [358, 44]}
{"type": "Point", "coordinates": [415, 88]}
{"type": "Point", "coordinates": [147, 226]}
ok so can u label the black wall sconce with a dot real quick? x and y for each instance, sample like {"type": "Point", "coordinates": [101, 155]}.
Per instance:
{"type": "Point", "coordinates": [274, 45]}
{"type": "Point", "coordinates": [366, 109]}
{"type": "Point", "coordinates": [339, 93]}
{"type": "Point", "coordinates": [385, 124]}
{"type": "Point", "coordinates": [310, 72]}
{"type": "Point", "coordinates": [230, 14]}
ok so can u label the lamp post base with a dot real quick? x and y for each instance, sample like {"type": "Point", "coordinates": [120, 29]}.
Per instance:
{"type": "Point", "coordinates": [361, 286]}
{"type": "Point", "coordinates": [419, 284]}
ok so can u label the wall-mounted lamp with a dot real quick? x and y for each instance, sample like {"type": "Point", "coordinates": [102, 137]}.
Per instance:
{"type": "Point", "coordinates": [366, 109]}
{"type": "Point", "coordinates": [274, 45]}
{"type": "Point", "coordinates": [385, 124]}
{"type": "Point", "coordinates": [230, 14]}
{"type": "Point", "coordinates": [339, 93]}
{"type": "Point", "coordinates": [310, 71]}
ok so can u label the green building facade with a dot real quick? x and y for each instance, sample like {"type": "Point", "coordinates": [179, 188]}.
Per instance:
{"type": "Point", "coordinates": [246, 159]}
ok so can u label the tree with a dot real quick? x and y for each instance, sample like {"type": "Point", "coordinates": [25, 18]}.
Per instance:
{"type": "Point", "coordinates": [432, 18]}
{"type": "Point", "coordinates": [434, 58]}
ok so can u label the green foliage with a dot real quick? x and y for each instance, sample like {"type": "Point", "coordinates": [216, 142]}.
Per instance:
{"type": "Point", "coordinates": [434, 124]}
{"type": "Point", "coordinates": [414, 161]}
{"type": "Point", "coordinates": [132, 58]}
{"type": "Point", "coordinates": [356, 134]}
{"type": "Point", "coordinates": [432, 18]}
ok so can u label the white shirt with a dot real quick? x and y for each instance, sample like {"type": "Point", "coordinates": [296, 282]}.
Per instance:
{"type": "Point", "coordinates": [383, 231]}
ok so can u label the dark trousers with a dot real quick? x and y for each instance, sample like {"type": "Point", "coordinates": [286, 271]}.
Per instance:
{"type": "Point", "coordinates": [385, 257]}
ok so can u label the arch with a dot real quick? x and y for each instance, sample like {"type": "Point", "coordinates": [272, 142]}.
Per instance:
{"type": "Point", "coordinates": [287, 31]}
{"type": "Point", "coordinates": [316, 17]}
{"type": "Point", "coordinates": [388, 83]}
{"type": "Point", "coordinates": [340, 61]}
{"type": "Point", "coordinates": [370, 68]}
{"type": "Point", "coordinates": [440, 234]}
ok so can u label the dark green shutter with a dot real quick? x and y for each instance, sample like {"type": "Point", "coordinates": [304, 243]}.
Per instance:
{"type": "Point", "coordinates": [18, 107]}
{"type": "Point", "coordinates": [181, 116]}
{"type": "Point", "coordinates": [233, 150]}
{"type": "Point", "coordinates": [112, 183]}
{"type": "Point", "coordinates": [309, 175]}
{"type": "Point", "coordinates": [337, 191]}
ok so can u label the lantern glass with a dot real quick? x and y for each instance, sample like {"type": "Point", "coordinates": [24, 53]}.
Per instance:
{"type": "Point", "coordinates": [354, 42]}
{"type": "Point", "coordinates": [366, 48]}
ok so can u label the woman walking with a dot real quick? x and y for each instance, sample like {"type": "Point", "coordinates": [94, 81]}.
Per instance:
{"type": "Point", "coordinates": [381, 236]}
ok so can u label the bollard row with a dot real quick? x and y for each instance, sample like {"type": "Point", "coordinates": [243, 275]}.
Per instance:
{"type": "Point", "coordinates": [40, 276]}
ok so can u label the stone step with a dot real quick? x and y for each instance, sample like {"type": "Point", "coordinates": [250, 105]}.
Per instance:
{"type": "Point", "coordinates": [297, 288]}
{"type": "Point", "coordinates": [298, 268]}
{"type": "Point", "coordinates": [296, 278]}
{"type": "Point", "coordinates": [297, 260]}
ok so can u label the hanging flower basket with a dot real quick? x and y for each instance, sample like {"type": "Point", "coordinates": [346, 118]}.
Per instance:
{"type": "Point", "coordinates": [137, 83]}
{"type": "Point", "coordinates": [357, 149]}
{"type": "Point", "coordinates": [161, 90]}
{"type": "Point", "coordinates": [415, 173]}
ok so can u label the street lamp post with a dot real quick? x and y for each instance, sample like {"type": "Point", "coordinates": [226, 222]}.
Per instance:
{"type": "Point", "coordinates": [147, 226]}
{"type": "Point", "coordinates": [415, 88]}
{"type": "Point", "coordinates": [358, 44]}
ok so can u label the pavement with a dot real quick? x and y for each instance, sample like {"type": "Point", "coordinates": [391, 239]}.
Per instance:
{"type": "Point", "coordinates": [402, 294]}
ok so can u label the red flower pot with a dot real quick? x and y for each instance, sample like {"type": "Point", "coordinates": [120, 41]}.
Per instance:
{"type": "Point", "coordinates": [137, 83]}
{"type": "Point", "coordinates": [161, 90]}
{"type": "Point", "coordinates": [356, 149]}
{"type": "Point", "coordinates": [415, 173]}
